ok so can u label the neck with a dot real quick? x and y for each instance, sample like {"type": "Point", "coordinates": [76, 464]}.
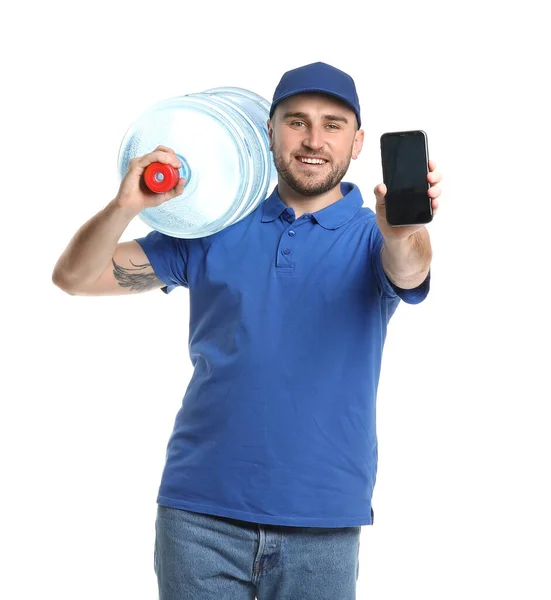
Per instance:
{"type": "Point", "coordinates": [307, 204]}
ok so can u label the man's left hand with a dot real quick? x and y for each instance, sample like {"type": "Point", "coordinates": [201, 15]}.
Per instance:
{"type": "Point", "coordinates": [400, 233]}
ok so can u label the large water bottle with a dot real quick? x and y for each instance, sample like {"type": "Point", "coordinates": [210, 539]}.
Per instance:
{"type": "Point", "coordinates": [221, 139]}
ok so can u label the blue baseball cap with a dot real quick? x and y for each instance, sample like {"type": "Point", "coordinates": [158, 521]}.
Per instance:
{"type": "Point", "coordinates": [318, 77]}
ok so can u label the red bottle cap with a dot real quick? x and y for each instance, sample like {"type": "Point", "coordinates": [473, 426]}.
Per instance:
{"type": "Point", "coordinates": [160, 178]}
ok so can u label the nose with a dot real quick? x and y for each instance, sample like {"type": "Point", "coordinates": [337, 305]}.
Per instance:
{"type": "Point", "coordinates": [314, 139]}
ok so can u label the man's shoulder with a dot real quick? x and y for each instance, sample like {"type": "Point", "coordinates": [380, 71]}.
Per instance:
{"type": "Point", "coordinates": [365, 217]}
{"type": "Point", "coordinates": [366, 212]}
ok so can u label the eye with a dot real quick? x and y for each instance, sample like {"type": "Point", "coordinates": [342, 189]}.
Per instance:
{"type": "Point", "coordinates": [332, 126]}
{"type": "Point", "coordinates": [297, 123]}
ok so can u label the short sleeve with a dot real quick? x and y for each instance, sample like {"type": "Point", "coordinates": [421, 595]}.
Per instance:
{"type": "Point", "coordinates": [168, 257]}
{"type": "Point", "coordinates": [387, 288]}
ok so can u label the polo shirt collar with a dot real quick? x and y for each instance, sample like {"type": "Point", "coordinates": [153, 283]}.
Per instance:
{"type": "Point", "coordinates": [331, 217]}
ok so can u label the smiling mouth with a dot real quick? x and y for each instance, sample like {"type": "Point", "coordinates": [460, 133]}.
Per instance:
{"type": "Point", "coordinates": [311, 162]}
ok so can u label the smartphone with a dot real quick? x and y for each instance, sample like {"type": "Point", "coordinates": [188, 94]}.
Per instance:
{"type": "Point", "coordinates": [405, 161]}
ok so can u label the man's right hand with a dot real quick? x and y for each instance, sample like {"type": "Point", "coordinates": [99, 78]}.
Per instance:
{"type": "Point", "coordinates": [134, 195]}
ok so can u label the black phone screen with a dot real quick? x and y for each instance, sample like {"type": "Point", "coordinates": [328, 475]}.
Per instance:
{"type": "Point", "coordinates": [405, 160]}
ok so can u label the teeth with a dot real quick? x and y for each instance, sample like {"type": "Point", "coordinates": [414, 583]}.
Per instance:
{"type": "Point", "coordinates": [313, 161]}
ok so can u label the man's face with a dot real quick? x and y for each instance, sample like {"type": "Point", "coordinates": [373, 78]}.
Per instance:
{"type": "Point", "coordinates": [313, 138]}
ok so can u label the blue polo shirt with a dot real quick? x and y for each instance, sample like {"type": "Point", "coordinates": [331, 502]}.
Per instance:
{"type": "Point", "coordinates": [288, 318]}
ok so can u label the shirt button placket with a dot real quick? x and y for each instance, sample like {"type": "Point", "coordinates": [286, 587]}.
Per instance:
{"type": "Point", "coordinates": [287, 251]}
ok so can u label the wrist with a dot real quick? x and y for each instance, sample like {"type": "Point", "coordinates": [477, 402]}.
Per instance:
{"type": "Point", "coordinates": [399, 244]}
{"type": "Point", "coordinates": [408, 255]}
{"type": "Point", "coordinates": [416, 238]}
{"type": "Point", "coordinates": [122, 208]}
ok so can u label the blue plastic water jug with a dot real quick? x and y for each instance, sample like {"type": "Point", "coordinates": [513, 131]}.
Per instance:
{"type": "Point", "coordinates": [221, 139]}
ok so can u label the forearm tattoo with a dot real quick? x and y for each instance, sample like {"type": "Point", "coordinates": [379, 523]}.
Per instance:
{"type": "Point", "coordinates": [136, 279]}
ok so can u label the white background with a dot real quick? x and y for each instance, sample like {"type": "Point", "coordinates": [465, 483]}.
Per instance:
{"type": "Point", "coordinates": [91, 386]}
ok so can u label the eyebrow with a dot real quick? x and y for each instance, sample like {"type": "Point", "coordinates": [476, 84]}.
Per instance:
{"type": "Point", "coordinates": [302, 115]}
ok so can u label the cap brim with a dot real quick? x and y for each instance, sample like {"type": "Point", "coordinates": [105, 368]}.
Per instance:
{"type": "Point", "coordinates": [310, 90]}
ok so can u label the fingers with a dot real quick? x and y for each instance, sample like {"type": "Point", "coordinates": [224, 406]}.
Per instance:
{"type": "Point", "coordinates": [161, 154]}
{"type": "Point", "coordinates": [172, 159]}
{"type": "Point", "coordinates": [434, 176]}
{"type": "Point", "coordinates": [380, 193]}
{"type": "Point", "coordinates": [380, 190]}
{"type": "Point", "coordinates": [434, 192]}
{"type": "Point", "coordinates": [179, 189]}
{"type": "Point", "coordinates": [175, 191]}
{"type": "Point", "coordinates": [155, 200]}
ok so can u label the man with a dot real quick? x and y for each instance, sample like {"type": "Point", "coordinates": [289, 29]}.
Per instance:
{"type": "Point", "coordinates": [271, 466]}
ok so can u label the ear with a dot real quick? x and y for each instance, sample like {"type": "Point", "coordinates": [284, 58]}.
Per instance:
{"type": "Point", "coordinates": [358, 143]}
{"type": "Point", "coordinates": [270, 133]}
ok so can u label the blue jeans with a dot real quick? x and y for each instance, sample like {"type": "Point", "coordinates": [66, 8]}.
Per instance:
{"type": "Point", "coordinates": [204, 557]}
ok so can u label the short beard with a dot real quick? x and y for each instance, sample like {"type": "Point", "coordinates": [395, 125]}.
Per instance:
{"type": "Point", "coordinates": [312, 187]}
